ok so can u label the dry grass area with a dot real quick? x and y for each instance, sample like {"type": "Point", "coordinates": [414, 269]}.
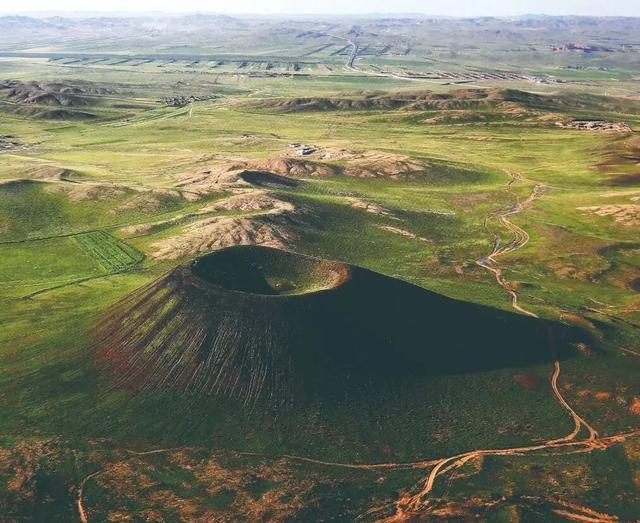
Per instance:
{"type": "Point", "coordinates": [627, 215]}
{"type": "Point", "coordinates": [403, 232]}
{"type": "Point", "coordinates": [597, 125]}
{"type": "Point", "coordinates": [527, 381]}
{"type": "Point", "coordinates": [215, 178]}
{"type": "Point", "coordinates": [293, 167]}
{"type": "Point", "coordinates": [251, 201]}
{"type": "Point", "coordinates": [371, 208]}
{"type": "Point", "coordinates": [21, 465]}
{"type": "Point", "coordinates": [40, 173]}
{"type": "Point", "coordinates": [148, 200]}
{"type": "Point", "coordinates": [225, 171]}
{"type": "Point", "coordinates": [84, 192]}
{"type": "Point", "coordinates": [373, 164]}
{"type": "Point", "coordinates": [223, 231]}
{"type": "Point", "coordinates": [332, 162]}
{"type": "Point", "coordinates": [575, 267]}
{"type": "Point", "coordinates": [267, 226]}
{"type": "Point", "coordinates": [213, 489]}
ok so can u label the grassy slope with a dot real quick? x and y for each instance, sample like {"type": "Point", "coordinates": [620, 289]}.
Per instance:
{"type": "Point", "coordinates": [48, 383]}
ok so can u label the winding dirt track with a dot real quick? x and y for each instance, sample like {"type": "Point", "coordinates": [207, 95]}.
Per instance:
{"type": "Point", "coordinates": [520, 239]}
{"type": "Point", "coordinates": [81, 512]}
{"type": "Point", "coordinates": [629, 351]}
{"type": "Point", "coordinates": [418, 504]}
{"type": "Point", "coordinates": [407, 505]}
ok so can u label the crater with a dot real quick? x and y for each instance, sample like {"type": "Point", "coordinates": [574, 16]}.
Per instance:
{"type": "Point", "coordinates": [269, 272]}
{"type": "Point", "coordinates": [253, 324]}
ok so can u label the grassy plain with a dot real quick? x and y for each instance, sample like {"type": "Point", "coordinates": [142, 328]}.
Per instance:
{"type": "Point", "coordinates": [87, 206]}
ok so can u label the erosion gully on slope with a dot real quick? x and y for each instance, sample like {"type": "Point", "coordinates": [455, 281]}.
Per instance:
{"type": "Point", "coordinates": [419, 504]}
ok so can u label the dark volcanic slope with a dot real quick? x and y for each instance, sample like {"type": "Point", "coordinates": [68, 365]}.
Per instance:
{"type": "Point", "coordinates": [258, 324]}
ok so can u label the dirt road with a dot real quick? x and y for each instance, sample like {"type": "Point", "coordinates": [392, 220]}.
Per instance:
{"type": "Point", "coordinates": [419, 503]}
{"type": "Point", "coordinates": [519, 240]}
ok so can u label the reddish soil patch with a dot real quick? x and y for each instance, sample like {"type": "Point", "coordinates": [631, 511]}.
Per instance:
{"type": "Point", "coordinates": [602, 396]}
{"type": "Point", "coordinates": [527, 381]}
{"type": "Point", "coordinates": [627, 215]}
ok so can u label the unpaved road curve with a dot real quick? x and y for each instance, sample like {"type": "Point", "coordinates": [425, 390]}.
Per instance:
{"type": "Point", "coordinates": [629, 351]}
{"type": "Point", "coordinates": [407, 505]}
{"type": "Point", "coordinates": [416, 505]}
{"type": "Point", "coordinates": [579, 422]}
{"type": "Point", "coordinates": [419, 504]}
{"type": "Point", "coordinates": [520, 239]}
{"type": "Point", "coordinates": [81, 512]}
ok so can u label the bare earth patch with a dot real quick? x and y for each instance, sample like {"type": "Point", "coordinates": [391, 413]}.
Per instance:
{"type": "Point", "coordinates": [527, 381]}
{"type": "Point", "coordinates": [269, 226]}
{"type": "Point", "coordinates": [225, 171]}
{"type": "Point", "coordinates": [20, 465]}
{"type": "Point", "coordinates": [223, 231]}
{"type": "Point", "coordinates": [372, 208]}
{"type": "Point", "coordinates": [250, 201]}
{"type": "Point", "coordinates": [148, 201]}
{"type": "Point", "coordinates": [293, 167]}
{"type": "Point", "coordinates": [216, 178]}
{"type": "Point", "coordinates": [627, 215]}
{"type": "Point", "coordinates": [254, 493]}
{"type": "Point", "coordinates": [403, 232]}
{"type": "Point", "coordinates": [602, 395]}
{"type": "Point", "coordinates": [596, 125]}
{"type": "Point", "coordinates": [383, 165]}
{"type": "Point", "coordinates": [141, 228]}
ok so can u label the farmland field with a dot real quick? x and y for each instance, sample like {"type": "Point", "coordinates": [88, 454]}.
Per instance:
{"type": "Point", "coordinates": [111, 254]}
{"type": "Point", "coordinates": [452, 331]}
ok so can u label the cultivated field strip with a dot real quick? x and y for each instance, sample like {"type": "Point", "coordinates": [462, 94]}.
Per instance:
{"type": "Point", "coordinates": [109, 252]}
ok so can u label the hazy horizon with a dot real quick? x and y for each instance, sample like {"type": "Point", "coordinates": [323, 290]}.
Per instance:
{"type": "Point", "coordinates": [457, 8]}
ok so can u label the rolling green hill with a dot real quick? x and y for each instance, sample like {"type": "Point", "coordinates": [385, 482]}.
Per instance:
{"type": "Point", "coordinates": [372, 269]}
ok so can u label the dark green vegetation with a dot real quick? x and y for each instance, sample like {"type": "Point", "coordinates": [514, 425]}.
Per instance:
{"type": "Point", "coordinates": [254, 384]}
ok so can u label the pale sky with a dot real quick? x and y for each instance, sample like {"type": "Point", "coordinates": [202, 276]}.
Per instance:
{"type": "Point", "coordinates": [433, 7]}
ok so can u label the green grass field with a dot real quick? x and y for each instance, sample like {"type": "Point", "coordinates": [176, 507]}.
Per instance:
{"type": "Point", "coordinates": [94, 209]}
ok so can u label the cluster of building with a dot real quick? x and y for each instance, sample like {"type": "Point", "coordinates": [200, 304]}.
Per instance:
{"type": "Point", "coordinates": [302, 149]}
